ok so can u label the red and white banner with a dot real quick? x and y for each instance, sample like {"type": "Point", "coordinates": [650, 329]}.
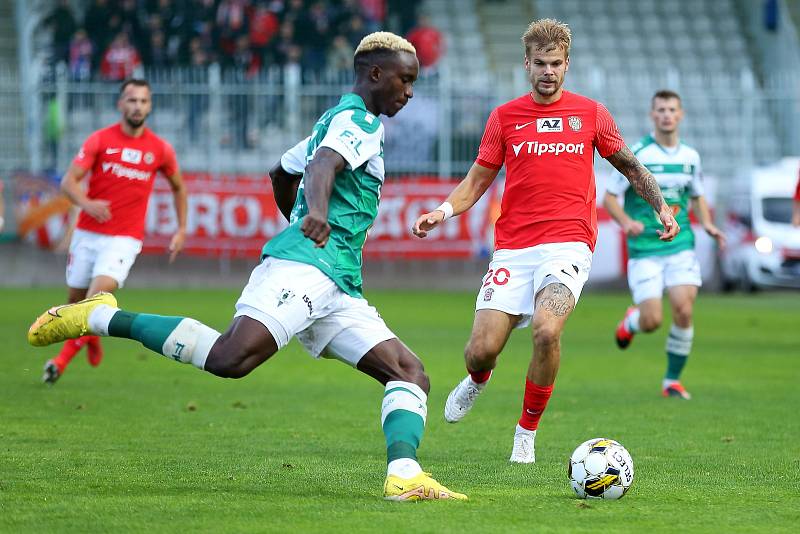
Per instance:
{"type": "Point", "coordinates": [229, 216]}
{"type": "Point", "coordinates": [235, 215]}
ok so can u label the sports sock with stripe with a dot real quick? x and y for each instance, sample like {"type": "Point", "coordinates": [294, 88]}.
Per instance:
{"type": "Point", "coordinates": [679, 345]}
{"type": "Point", "coordinates": [179, 338]}
{"type": "Point", "coordinates": [403, 414]}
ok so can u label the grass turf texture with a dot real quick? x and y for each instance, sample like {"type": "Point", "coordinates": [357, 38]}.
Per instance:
{"type": "Point", "coordinates": [142, 443]}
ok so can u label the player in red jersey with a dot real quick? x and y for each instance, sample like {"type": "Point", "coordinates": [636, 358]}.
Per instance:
{"type": "Point", "coordinates": [547, 229]}
{"type": "Point", "coordinates": [123, 160]}
{"type": "Point", "coordinates": [796, 205]}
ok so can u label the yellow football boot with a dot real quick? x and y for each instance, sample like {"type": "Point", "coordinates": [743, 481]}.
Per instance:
{"type": "Point", "coordinates": [69, 321]}
{"type": "Point", "coordinates": [418, 488]}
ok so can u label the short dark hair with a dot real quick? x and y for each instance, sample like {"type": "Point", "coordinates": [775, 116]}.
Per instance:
{"type": "Point", "coordinates": [665, 94]}
{"type": "Point", "coordinates": [138, 82]}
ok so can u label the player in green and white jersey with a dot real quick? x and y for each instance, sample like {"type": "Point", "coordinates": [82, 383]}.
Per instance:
{"type": "Point", "coordinates": [654, 264]}
{"type": "Point", "coordinates": [308, 284]}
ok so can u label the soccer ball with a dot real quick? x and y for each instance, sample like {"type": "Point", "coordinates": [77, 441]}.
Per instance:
{"type": "Point", "coordinates": [600, 468]}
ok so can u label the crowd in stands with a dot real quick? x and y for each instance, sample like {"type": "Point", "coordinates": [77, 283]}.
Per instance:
{"type": "Point", "coordinates": [112, 39]}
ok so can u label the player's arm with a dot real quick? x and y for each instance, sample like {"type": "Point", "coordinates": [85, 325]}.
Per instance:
{"type": "Point", "coordinates": [796, 213]}
{"type": "Point", "coordinates": [700, 208]}
{"type": "Point", "coordinates": [71, 187]}
{"type": "Point", "coordinates": [286, 175]}
{"type": "Point", "coordinates": [284, 188]}
{"type": "Point", "coordinates": [796, 206]}
{"type": "Point", "coordinates": [646, 187]}
{"type": "Point", "coordinates": [630, 226]}
{"type": "Point", "coordinates": [462, 198]}
{"type": "Point", "coordinates": [179, 195]}
{"type": "Point", "coordinates": [318, 179]}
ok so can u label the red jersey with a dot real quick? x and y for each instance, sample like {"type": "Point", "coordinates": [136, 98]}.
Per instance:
{"type": "Point", "coordinates": [123, 171]}
{"type": "Point", "coordinates": [548, 151]}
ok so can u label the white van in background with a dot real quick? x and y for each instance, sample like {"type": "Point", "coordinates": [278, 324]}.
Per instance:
{"type": "Point", "coordinates": [763, 247]}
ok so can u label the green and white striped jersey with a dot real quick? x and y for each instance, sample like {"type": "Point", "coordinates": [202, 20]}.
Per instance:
{"type": "Point", "coordinates": [357, 135]}
{"type": "Point", "coordinates": [678, 172]}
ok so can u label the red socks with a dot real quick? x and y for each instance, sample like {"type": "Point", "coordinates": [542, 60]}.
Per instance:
{"type": "Point", "coordinates": [95, 350]}
{"type": "Point", "coordinates": [73, 346]}
{"type": "Point", "coordinates": [479, 377]}
{"type": "Point", "coordinates": [533, 404]}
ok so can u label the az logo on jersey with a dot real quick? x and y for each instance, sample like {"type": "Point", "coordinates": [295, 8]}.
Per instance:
{"type": "Point", "coordinates": [554, 124]}
{"type": "Point", "coordinates": [131, 155]}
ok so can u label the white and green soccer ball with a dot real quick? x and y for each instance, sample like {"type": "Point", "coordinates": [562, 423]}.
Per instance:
{"type": "Point", "coordinates": [600, 468]}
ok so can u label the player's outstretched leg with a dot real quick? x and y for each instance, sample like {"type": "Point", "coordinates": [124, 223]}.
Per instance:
{"type": "Point", "coordinates": [627, 328]}
{"type": "Point", "coordinates": [179, 338]}
{"type": "Point", "coordinates": [403, 414]}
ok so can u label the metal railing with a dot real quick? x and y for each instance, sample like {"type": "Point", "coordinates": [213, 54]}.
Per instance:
{"type": "Point", "coordinates": [222, 122]}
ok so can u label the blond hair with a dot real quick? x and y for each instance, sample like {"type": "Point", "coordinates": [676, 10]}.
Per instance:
{"type": "Point", "coordinates": [384, 41]}
{"type": "Point", "coordinates": [547, 35]}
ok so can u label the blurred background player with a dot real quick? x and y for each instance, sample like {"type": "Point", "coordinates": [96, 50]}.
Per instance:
{"type": "Point", "coordinates": [654, 265]}
{"type": "Point", "coordinates": [796, 205]}
{"type": "Point", "coordinates": [2, 208]}
{"type": "Point", "coordinates": [123, 159]}
{"type": "Point", "coordinates": [309, 282]}
{"type": "Point", "coordinates": [547, 228]}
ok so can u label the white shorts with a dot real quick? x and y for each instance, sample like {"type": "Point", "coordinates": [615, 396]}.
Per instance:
{"type": "Point", "coordinates": [295, 299]}
{"type": "Point", "coordinates": [647, 277]}
{"type": "Point", "coordinates": [92, 255]}
{"type": "Point", "coordinates": [515, 276]}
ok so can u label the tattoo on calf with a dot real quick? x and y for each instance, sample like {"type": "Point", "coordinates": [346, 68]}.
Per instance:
{"type": "Point", "coordinates": [557, 299]}
{"type": "Point", "coordinates": [637, 174]}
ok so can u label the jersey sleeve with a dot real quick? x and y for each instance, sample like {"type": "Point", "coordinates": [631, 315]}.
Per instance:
{"type": "Point", "coordinates": [607, 138]}
{"type": "Point", "coordinates": [169, 165]}
{"type": "Point", "coordinates": [355, 135]}
{"type": "Point", "coordinates": [88, 152]}
{"type": "Point", "coordinates": [293, 160]}
{"type": "Point", "coordinates": [491, 153]}
{"type": "Point", "coordinates": [696, 187]}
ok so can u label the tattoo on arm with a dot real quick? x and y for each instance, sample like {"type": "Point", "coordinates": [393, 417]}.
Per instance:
{"type": "Point", "coordinates": [637, 174]}
{"type": "Point", "coordinates": [557, 299]}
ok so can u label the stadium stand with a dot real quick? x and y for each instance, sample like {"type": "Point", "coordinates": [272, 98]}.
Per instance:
{"type": "Point", "coordinates": [624, 50]}
{"type": "Point", "coordinates": [12, 149]}
{"type": "Point", "coordinates": [236, 81]}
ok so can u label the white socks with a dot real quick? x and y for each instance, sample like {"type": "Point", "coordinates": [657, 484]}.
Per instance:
{"type": "Point", "coordinates": [190, 342]}
{"type": "Point", "coordinates": [99, 318]}
{"type": "Point", "coordinates": [403, 468]}
{"type": "Point", "coordinates": [679, 340]}
{"type": "Point", "coordinates": [632, 322]}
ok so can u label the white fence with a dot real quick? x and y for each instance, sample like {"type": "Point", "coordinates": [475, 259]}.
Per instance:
{"type": "Point", "coordinates": [221, 122]}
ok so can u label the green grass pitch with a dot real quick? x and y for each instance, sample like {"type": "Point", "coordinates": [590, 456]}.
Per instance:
{"type": "Point", "coordinates": [144, 444]}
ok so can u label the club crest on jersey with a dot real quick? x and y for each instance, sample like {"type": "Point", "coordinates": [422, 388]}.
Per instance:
{"type": "Point", "coordinates": [487, 295]}
{"type": "Point", "coordinates": [149, 158]}
{"type": "Point", "coordinates": [553, 124]}
{"type": "Point", "coordinates": [131, 155]}
{"type": "Point", "coordinates": [574, 123]}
